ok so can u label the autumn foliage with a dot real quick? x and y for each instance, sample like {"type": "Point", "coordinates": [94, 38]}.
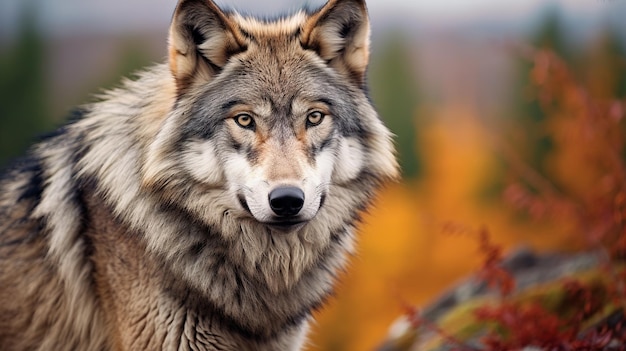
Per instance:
{"type": "Point", "coordinates": [574, 313]}
{"type": "Point", "coordinates": [589, 132]}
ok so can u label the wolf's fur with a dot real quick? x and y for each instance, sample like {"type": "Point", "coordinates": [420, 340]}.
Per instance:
{"type": "Point", "coordinates": [145, 222]}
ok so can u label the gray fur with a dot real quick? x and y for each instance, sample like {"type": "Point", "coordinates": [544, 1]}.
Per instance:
{"type": "Point", "coordinates": [143, 224]}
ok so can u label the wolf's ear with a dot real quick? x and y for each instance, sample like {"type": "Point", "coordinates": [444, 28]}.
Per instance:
{"type": "Point", "coordinates": [201, 40]}
{"type": "Point", "coordinates": [340, 33]}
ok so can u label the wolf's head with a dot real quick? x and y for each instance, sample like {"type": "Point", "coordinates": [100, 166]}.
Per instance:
{"type": "Point", "coordinates": [272, 138]}
{"type": "Point", "coordinates": [272, 112]}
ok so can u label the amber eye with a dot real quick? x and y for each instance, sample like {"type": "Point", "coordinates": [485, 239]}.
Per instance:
{"type": "Point", "coordinates": [244, 120]}
{"type": "Point", "coordinates": [314, 118]}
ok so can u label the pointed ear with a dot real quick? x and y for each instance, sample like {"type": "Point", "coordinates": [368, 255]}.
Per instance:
{"type": "Point", "coordinates": [340, 33]}
{"type": "Point", "coordinates": [201, 40]}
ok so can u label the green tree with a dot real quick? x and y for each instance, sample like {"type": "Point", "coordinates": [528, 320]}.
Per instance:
{"type": "Point", "coordinates": [527, 112]}
{"type": "Point", "coordinates": [23, 104]}
{"type": "Point", "coordinates": [525, 122]}
{"type": "Point", "coordinates": [524, 125]}
{"type": "Point", "coordinates": [605, 63]}
{"type": "Point", "coordinates": [394, 92]}
{"type": "Point", "coordinates": [133, 59]}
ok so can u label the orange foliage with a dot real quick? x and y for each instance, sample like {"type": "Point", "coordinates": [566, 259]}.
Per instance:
{"type": "Point", "coordinates": [588, 162]}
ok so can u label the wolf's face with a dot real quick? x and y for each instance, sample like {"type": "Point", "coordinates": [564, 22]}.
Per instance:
{"type": "Point", "coordinates": [275, 132]}
{"type": "Point", "coordinates": [271, 113]}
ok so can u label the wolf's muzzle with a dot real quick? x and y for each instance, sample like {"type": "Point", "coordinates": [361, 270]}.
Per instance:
{"type": "Point", "coordinates": [286, 201]}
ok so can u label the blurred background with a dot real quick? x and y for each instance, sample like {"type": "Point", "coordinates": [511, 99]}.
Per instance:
{"type": "Point", "coordinates": [457, 82]}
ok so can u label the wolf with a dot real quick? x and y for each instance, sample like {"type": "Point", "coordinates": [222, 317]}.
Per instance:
{"type": "Point", "coordinates": [208, 204]}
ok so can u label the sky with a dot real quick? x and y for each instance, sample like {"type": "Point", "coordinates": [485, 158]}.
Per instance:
{"type": "Point", "coordinates": [63, 17]}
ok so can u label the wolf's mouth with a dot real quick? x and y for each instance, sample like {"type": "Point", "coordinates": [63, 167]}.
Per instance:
{"type": "Point", "coordinates": [243, 203]}
{"type": "Point", "coordinates": [285, 226]}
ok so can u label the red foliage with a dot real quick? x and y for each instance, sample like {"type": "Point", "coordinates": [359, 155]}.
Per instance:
{"type": "Point", "coordinates": [523, 325]}
{"type": "Point", "coordinates": [492, 272]}
{"type": "Point", "coordinates": [418, 321]}
{"type": "Point", "coordinates": [529, 324]}
{"type": "Point", "coordinates": [599, 206]}
{"type": "Point", "coordinates": [599, 211]}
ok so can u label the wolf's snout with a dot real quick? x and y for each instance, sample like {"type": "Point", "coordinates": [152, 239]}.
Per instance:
{"type": "Point", "coordinates": [286, 201]}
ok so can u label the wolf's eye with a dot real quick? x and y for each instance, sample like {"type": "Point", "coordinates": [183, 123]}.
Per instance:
{"type": "Point", "coordinates": [314, 118]}
{"type": "Point", "coordinates": [244, 120]}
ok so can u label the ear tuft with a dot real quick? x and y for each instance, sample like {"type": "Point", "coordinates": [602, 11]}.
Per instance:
{"type": "Point", "coordinates": [339, 32]}
{"type": "Point", "coordinates": [202, 39]}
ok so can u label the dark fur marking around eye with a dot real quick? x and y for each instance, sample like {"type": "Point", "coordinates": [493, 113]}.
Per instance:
{"type": "Point", "coordinates": [327, 142]}
{"type": "Point", "coordinates": [230, 104]}
{"type": "Point", "coordinates": [316, 149]}
{"type": "Point", "coordinates": [198, 128]}
{"type": "Point", "coordinates": [325, 101]}
{"type": "Point", "coordinates": [245, 121]}
{"type": "Point", "coordinates": [235, 145]}
{"type": "Point", "coordinates": [201, 124]}
{"type": "Point", "coordinates": [251, 154]}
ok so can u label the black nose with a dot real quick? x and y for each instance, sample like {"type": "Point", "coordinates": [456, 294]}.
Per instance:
{"type": "Point", "coordinates": [286, 201]}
